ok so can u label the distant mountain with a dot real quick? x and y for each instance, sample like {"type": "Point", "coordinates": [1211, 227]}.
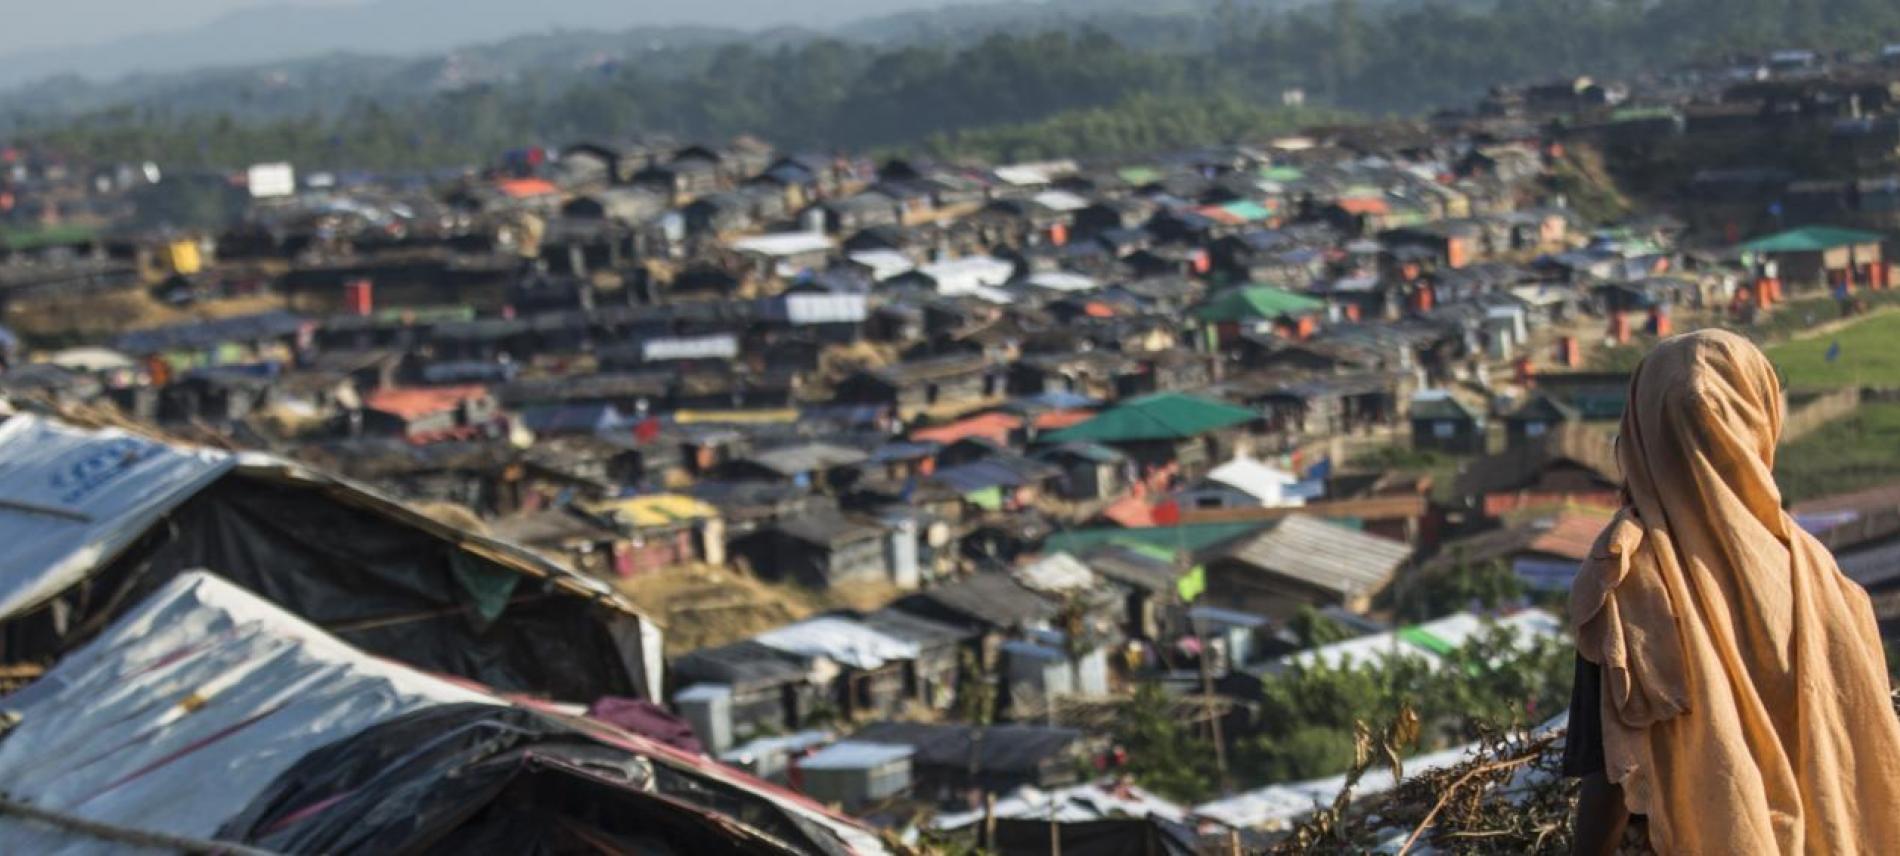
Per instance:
{"type": "Point", "coordinates": [333, 80]}
{"type": "Point", "coordinates": [326, 57]}
{"type": "Point", "coordinates": [278, 33]}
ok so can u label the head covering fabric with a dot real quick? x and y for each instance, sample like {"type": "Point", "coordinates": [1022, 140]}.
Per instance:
{"type": "Point", "coordinates": [1745, 690]}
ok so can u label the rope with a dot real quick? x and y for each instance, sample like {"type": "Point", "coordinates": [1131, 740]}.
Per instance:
{"type": "Point", "coordinates": [124, 835]}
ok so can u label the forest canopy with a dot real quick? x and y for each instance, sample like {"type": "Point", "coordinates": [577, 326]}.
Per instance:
{"type": "Point", "coordinates": [1004, 95]}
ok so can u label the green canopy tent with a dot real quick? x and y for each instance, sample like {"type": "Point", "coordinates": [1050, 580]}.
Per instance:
{"type": "Point", "coordinates": [1161, 416]}
{"type": "Point", "coordinates": [1817, 255]}
{"type": "Point", "coordinates": [1256, 303]}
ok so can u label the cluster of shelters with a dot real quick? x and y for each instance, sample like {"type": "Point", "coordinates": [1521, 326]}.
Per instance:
{"type": "Point", "coordinates": [1002, 442]}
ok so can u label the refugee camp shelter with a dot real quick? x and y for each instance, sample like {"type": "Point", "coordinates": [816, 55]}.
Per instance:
{"type": "Point", "coordinates": [1165, 428]}
{"type": "Point", "coordinates": [198, 637]}
{"type": "Point", "coordinates": [97, 520]}
{"type": "Point", "coordinates": [206, 713]}
{"type": "Point", "coordinates": [854, 773]}
{"type": "Point", "coordinates": [950, 758]}
{"type": "Point", "coordinates": [1300, 560]}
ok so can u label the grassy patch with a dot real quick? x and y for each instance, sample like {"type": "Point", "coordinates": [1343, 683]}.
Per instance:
{"type": "Point", "coordinates": [1869, 356]}
{"type": "Point", "coordinates": [1857, 451]}
{"type": "Point", "coordinates": [1621, 359]}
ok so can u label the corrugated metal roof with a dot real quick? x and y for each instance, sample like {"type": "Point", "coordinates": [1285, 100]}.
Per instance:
{"type": "Point", "coordinates": [854, 755]}
{"type": "Point", "coordinates": [741, 665]}
{"type": "Point", "coordinates": [916, 628]}
{"type": "Point", "coordinates": [1078, 804]}
{"type": "Point", "coordinates": [1192, 537]}
{"type": "Point", "coordinates": [1324, 555]}
{"type": "Point", "coordinates": [992, 598]}
{"type": "Point", "coordinates": [999, 748]}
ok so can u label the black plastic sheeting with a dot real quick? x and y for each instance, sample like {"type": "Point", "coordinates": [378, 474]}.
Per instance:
{"type": "Point", "coordinates": [383, 586]}
{"type": "Point", "coordinates": [1117, 837]}
{"type": "Point", "coordinates": [478, 778]}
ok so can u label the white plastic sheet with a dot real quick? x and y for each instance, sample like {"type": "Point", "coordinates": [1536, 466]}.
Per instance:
{"type": "Point", "coordinates": [70, 499]}
{"type": "Point", "coordinates": [181, 712]}
{"type": "Point", "coordinates": [840, 640]}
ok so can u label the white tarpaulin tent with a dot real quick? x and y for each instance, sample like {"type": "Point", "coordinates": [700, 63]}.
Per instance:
{"type": "Point", "coordinates": [70, 499]}
{"type": "Point", "coordinates": [73, 501]}
{"type": "Point", "coordinates": [184, 710]}
{"type": "Point", "coordinates": [840, 640]}
{"type": "Point", "coordinates": [1258, 480]}
{"type": "Point", "coordinates": [1057, 573]}
{"type": "Point", "coordinates": [978, 275]}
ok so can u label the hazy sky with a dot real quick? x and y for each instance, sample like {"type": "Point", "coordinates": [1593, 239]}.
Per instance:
{"type": "Point", "coordinates": [102, 39]}
{"type": "Point", "coordinates": [37, 24]}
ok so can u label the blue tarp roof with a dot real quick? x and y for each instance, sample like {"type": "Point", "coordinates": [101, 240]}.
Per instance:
{"type": "Point", "coordinates": [977, 475]}
{"type": "Point", "coordinates": [572, 418]}
{"type": "Point", "coordinates": [266, 370]}
{"type": "Point", "coordinates": [470, 371]}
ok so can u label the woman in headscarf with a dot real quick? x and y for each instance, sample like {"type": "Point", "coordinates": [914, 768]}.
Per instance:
{"type": "Point", "coordinates": [1731, 684]}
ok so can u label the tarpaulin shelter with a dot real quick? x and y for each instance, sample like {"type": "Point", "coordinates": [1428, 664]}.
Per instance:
{"type": "Point", "coordinates": [187, 707]}
{"type": "Point", "coordinates": [1083, 803]}
{"type": "Point", "coordinates": [208, 713]}
{"type": "Point", "coordinates": [844, 641]}
{"type": "Point", "coordinates": [98, 520]}
{"type": "Point", "coordinates": [480, 779]}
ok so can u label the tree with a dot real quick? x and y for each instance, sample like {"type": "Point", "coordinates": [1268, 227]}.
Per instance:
{"type": "Point", "coordinates": [976, 691]}
{"type": "Point", "coordinates": [1164, 755]}
{"type": "Point", "coordinates": [1314, 628]}
{"type": "Point", "coordinates": [1306, 716]}
{"type": "Point", "coordinates": [1461, 584]}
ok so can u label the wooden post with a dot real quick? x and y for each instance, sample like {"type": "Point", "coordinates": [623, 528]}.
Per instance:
{"type": "Point", "coordinates": [989, 821]}
{"type": "Point", "coordinates": [1207, 703]}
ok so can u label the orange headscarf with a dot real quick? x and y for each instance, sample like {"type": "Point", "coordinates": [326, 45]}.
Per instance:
{"type": "Point", "coordinates": [1745, 692]}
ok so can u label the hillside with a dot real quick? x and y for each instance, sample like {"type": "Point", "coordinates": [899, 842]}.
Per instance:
{"type": "Point", "coordinates": [804, 91]}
